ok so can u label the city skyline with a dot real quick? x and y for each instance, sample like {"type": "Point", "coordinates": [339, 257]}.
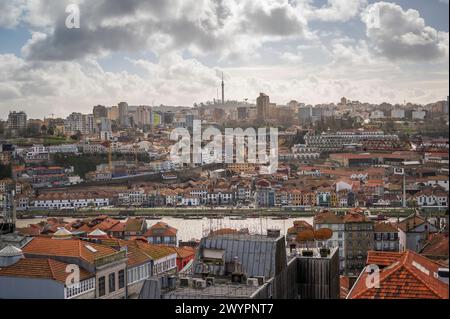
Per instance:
{"type": "Point", "coordinates": [311, 51]}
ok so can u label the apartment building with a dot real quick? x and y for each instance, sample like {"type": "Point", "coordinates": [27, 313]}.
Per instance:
{"type": "Point", "coordinates": [359, 239]}
{"type": "Point", "coordinates": [334, 222]}
{"type": "Point", "coordinates": [386, 237]}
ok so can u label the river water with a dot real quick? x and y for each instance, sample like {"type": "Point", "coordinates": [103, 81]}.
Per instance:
{"type": "Point", "coordinates": [197, 228]}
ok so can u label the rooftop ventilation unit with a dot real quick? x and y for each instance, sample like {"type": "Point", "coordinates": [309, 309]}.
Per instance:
{"type": "Point", "coordinates": [254, 282]}
{"type": "Point", "coordinates": [184, 282]}
{"type": "Point", "coordinates": [199, 284]}
{"type": "Point", "coordinates": [172, 282]}
{"type": "Point", "coordinates": [210, 281]}
{"type": "Point", "coordinates": [261, 280]}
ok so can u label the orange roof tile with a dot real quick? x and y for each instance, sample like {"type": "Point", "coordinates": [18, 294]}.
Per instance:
{"type": "Point", "coordinates": [135, 255]}
{"type": "Point", "coordinates": [328, 218]}
{"type": "Point", "coordinates": [410, 222]}
{"type": "Point", "coordinates": [382, 227]}
{"type": "Point", "coordinates": [382, 258]}
{"type": "Point", "coordinates": [161, 229]}
{"type": "Point", "coordinates": [412, 276]}
{"type": "Point", "coordinates": [43, 246]}
{"type": "Point", "coordinates": [41, 268]}
{"type": "Point", "coordinates": [436, 247]}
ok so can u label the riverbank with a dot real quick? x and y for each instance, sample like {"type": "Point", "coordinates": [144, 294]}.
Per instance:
{"type": "Point", "coordinates": [211, 212]}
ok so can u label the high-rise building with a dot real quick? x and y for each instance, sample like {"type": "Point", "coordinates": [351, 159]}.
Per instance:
{"type": "Point", "coordinates": [17, 123]}
{"type": "Point", "coordinates": [262, 107]}
{"type": "Point", "coordinates": [77, 122]}
{"type": "Point", "coordinates": [74, 123]}
{"type": "Point", "coordinates": [309, 114]}
{"type": "Point", "coordinates": [89, 121]}
{"type": "Point", "coordinates": [99, 111]}
{"type": "Point", "coordinates": [143, 116]}
{"type": "Point", "coordinates": [124, 121]}
{"type": "Point", "coordinates": [113, 113]}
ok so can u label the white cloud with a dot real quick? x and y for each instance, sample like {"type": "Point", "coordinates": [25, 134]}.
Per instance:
{"type": "Point", "coordinates": [262, 46]}
{"type": "Point", "coordinates": [340, 10]}
{"type": "Point", "coordinates": [11, 12]}
{"type": "Point", "coordinates": [226, 28]}
{"type": "Point", "coordinates": [403, 35]}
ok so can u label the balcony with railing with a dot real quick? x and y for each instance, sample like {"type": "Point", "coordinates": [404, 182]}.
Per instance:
{"type": "Point", "coordinates": [81, 288]}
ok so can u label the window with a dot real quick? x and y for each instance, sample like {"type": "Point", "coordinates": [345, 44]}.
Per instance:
{"type": "Point", "coordinates": [121, 279]}
{"type": "Point", "coordinates": [112, 282]}
{"type": "Point", "coordinates": [101, 286]}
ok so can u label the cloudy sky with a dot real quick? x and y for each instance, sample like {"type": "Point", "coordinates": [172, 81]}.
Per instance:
{"type": "Point", "coordinates": [172, 52]}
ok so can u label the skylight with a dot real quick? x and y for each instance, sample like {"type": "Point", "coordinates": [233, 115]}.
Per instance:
{"type": "Point", "coordinates": [92, 249]}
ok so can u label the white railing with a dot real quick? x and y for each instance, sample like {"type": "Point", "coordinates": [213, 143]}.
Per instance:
{"type": "Point", "coordinates": [81, 288]}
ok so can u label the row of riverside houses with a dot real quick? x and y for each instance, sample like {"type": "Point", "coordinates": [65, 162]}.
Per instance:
{"type": "Point", "coordinates": [264, 194]}
{"type": "Point", "coordinates": [108, 267]}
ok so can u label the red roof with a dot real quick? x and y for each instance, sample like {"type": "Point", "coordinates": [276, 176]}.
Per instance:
{"type": "Point", "coordinates": [436, 247]}
{"type": "Point", "coordinates": [161, 229]}
{"type": "Point", "coordinates": [41, 268]}
{"type": "Point", "coordinates": [409, 276]}
{"type": "Point", "coordinates": [382, 258]}
{"type": "Point", "coordinates": [43, 246]}
{"type": "Point", "coordinates": [356, 217]}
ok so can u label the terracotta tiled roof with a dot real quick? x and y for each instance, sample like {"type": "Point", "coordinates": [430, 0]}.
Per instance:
{"type": "Point", "coordinates": [410, 222]}
{"type": "Point", "coordinates": [134, 224]}
{"type": "Point", "coordinates": [135, 255]}
{"type": "Point", "coordinates": [182, 252]}
{"type": "Point", "coordinates": [328, 218]}
{"type": "Point", "coordinates": [412, 276]}
{"type": "Point", "coordinates": [161, 229]}
{"type": "Point", "coordinates": [155, 251]}
{"type": "Point", "coordinates": [345, 286]}
{"type": "Point", "coordinates": [382, 258]}
{"type": "Point", "coordinates": [382, 227]}
{"type": "Point", "coordinates": [42, 246]}
{"type": "Point", "coordinates": [32, 230]}
{"type": "Point", "coordinates": [41, 268]}
{"type": "Point", "coordinates": [119, 227]}
{"type": "Point", "coordinates": [356, 217]}
{"type": "Point", "coordinates": [436, 247]}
